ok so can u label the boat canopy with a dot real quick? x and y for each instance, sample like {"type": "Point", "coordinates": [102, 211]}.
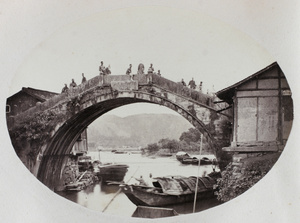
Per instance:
{"type": "Point", "coordinates": [183, 185]}
{"type": "Point", "coordinates": [181, 153]}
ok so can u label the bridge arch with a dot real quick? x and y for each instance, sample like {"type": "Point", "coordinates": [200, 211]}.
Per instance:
{"type": "Point", "coordinates": [84, 104]}
{"type": "Point", "coordinates": [60, 145]}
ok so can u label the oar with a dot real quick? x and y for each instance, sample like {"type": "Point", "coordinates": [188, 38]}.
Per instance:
{"type": "Point", "coordinates": [118, 191]}
{"type": "Point", "coordinates": [109, 182]}
{"type": "Point", "coordinates": [81, 176]}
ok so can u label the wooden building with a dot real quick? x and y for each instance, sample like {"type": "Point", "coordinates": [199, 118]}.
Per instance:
{"type": "Point", "coordinates": [30, 97]}
{"type": "Point", "coordinates": [25, 99]}
{"type": "Point", "coordinates": [262, 108]}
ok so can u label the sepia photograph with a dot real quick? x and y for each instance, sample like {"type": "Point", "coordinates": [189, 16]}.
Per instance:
{"type": "Point", "coordinates": [137, 110]}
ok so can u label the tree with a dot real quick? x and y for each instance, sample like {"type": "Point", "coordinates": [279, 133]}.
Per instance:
{"type": "Point", "coordinates": [152, 148]}
{"type": "Point", "coordinates": [192, 135]}
{"type": "Point", "coordinates": [173, 145]}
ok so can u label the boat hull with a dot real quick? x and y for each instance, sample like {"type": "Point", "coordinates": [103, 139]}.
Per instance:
{"type": "Point", "coordinates": [112, 172]}
{"type": "Point", "coordinates": [146, 197]}
{"type": "Point", "coordinates": [194, 161]}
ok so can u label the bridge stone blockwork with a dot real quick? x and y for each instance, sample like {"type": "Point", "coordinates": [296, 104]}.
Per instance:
{"type": "Point", "coordinates": [43, 136]}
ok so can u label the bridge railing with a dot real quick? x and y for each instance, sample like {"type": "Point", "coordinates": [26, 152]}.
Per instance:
{"type": "Point", "coordinates": [101, 80]}
{"type": "Point", "coordinates": [178, 88]}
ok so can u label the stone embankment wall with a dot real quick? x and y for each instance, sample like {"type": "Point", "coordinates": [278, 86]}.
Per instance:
{"type": "Point", "coordinates": [245, 170]}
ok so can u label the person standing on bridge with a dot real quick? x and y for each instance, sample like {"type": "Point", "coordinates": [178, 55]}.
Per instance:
{"type": "Point", "coordinates": [73, 84]}
{"type": "Point", "coordinates": [200, 86]}
{"type": "Point", "coordinates": [158, 73]}
{"type": "Point", "coordinates": [101, 68]}
{"type": "Point", "coordinates": [192, 84]}
{"type": "Point", "coordinates": [151, 69]}
{"type": "Point", "coordinates": [65, 89]}
{"type": "Point", "coordinates": [128, 71]}
{"type": "Point", "coordinates": [83, 78]}
{"type": "Point", "coordinates": [183, 82]}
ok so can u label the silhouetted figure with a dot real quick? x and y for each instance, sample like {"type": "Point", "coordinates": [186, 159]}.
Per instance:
{"type": "Point", "coordinates": [150, 72]}
{"type": "Point", "coordinates": [73, 84]}
{"type": "Point", "coordinates": [192, 84]}
{"type": "Point", "coordinates": [128, 71]}
{"type": "Point", "coordinates": [150, 69]}
{"type": "Point", "coordinates": [83, 78]}
{"type": "Point", "coordinates": [142, 181]}
{"type": "Point", "coordinates": [158, 73]}
{"type": "Point", "coordinates": [101, 68]}
{"type": "Point", "coordinates": [182, 82]}
{"type": "Point", "coordinates": [200, 86]}
{"type": "Point", "coordinates": [65, 89]}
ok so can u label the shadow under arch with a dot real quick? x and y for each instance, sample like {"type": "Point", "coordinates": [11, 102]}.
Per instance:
{"type": "Point", "coordinates": [60, 145]}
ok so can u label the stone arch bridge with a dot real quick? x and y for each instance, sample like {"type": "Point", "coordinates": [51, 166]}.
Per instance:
{"type": "Point", "coordinates": [43, 136]}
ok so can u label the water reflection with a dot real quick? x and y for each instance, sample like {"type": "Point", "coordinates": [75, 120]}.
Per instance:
{"type": "Point", "coordinates": [99, 195]}
{"type": "Point", "coordinates": [108, 189]}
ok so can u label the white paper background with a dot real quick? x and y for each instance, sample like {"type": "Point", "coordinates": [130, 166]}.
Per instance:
{"type": "Point", "coordinates": [275, 25]}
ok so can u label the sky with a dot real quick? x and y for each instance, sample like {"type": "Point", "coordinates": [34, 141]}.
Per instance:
{"type": "Point", "coordinates": [180, 43]}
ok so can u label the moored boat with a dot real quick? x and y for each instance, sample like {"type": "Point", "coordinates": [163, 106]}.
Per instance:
{"type": "Point", "coordinates": [195, 161]}
{"type": "Point", "coordinates": [170, 190]}
{"type": "Point", "coordinates": [182, 155]}
{"type": "Point", "coordinates": [84, 163]}
{"type": "Point", "coordinates": [153, 212]}
{"type": "Point", "coordinates": [112, 172]}
{"type": "Point", "coordinates": [120, 152]}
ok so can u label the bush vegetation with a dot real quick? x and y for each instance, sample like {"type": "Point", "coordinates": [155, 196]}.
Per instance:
{"type": "Point", "coordinates": [236, 180]}
{"type": "Point", "coordinates": [189, 141]}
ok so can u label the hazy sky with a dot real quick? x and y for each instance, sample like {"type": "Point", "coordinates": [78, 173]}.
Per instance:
{"type": "Point", "coordinates": [182, 44]}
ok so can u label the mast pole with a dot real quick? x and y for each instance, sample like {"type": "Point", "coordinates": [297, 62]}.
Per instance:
{"type": "Point", "coordinates": [99, 154]}
{"type": "Point", "coordinates": [197, 180]}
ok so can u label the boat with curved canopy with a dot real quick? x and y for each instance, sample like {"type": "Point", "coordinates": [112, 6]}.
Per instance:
{"type": "Point", "coordinates": [170, 190]}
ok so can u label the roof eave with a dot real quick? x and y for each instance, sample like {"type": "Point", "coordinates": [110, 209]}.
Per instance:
{"type": "Point", "coordinates": [226, 93]}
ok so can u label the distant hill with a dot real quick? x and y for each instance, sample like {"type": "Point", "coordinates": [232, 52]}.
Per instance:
{"type": "Point", "coordinates": [135, 130]}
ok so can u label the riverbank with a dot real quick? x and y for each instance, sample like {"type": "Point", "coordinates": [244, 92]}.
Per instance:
{"type": "Point", "coordinates": [243, 173]}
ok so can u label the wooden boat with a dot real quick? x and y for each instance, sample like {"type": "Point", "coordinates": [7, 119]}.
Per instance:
{"type": "Point", "coordinates": [84, 163]}
{"type": "Point", "coordinates": [153, 212]}
{"type": "Point", "coordinates": [165, 154]}
{"type": "Point", "coordinates": [120, 152]}
{"type": "Point", "coordinates": [182, 155]}
{"type": "Point", "coordinates": [195, 161]}
{"type": "Point", "coordinates": [112, 172]}
{"type": "Point", "coordinates": [170, 190]}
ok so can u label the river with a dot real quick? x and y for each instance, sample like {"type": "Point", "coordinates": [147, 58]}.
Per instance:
{"type": "Point", "coordinates": [98, 196]}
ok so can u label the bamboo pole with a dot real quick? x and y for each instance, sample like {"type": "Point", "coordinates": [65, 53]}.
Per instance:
{"type": "Point", "coordinates": [81, 176]}
{"type": "Point", "coordinates": [119, 191]}
{"type": "Point", "coordinates": [197, 180]}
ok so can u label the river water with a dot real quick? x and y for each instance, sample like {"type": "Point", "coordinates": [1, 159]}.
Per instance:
{"type": "Point", "coordinates": [98, 196]}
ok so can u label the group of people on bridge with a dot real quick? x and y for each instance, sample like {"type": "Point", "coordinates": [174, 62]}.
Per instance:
{"type": "Point", "coordinates": [73, 84]}
{"type": "Point", "coordinates": [192, 84]}
{"type": "Point", "coordinates": [141, 70]}
{"type": "Point", "coordinates": [106, 71]}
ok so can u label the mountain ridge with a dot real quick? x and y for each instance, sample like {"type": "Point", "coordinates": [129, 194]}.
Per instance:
{"type": "Point", "coordinates": [135, 130]}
